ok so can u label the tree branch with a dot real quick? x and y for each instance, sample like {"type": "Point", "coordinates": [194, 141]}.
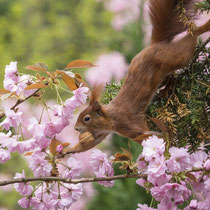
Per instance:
{"type": "Point", "coordinates": [200, 49]}
{"type": "Point", "coordinates": [21, 101]}
{"type": "Point", "coordinates": [72, 181]}
{"type": "Point", "coordinates": [82, 180]}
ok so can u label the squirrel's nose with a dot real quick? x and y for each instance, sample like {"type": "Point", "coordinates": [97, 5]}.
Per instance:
{"type": "Point", "coordinates": [77, 128]}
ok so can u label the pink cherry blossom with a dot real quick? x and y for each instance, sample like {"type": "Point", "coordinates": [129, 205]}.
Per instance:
{"type": "Point", "coordinates": [197, 205]}
{"type": "Point", "coordinates": [27, 145]}
{"type": "Point", "coordinates": [141, 182]}
{"type": "Point", "coordinates": [24, 202]}
{"type": "Point", "coordinates": [13, 119]}
{"type": "Point", "coordinates": [35, 128]}
{"type": "Point", "coordinates": [50, 129]}
{"type": "Point", "coordinates": [61, 203]}
{"type": "Point", "coordinates": [193, 204]}
{"type": "Point", "coordinates": [39, 165]}
{"type": "Point", "coordinates": [42, 142]}
{"type": "Point", "coordinates": [125, 12]}
{"type": "Point", "coordinates": [9, 142]}
{"type": "Point", "coordinates": [10, 85]}
{"type": "Point", "coordinates": [11, 77]}
{"type": "Point", "coordinates": [59, 148]}
{"type": "Point", "coordinates": [80, 94]}
{"type": "Point", "coordinates": [198, 158]}
{"type": "Point", "coordinates": [74, 168]}
{"type": "Point", "coordinates": [11, 69]}
{"type": "Point", "coordinates": [45, 198]}
{"type": "Point", "coordinates": [109, 66]}
{"type": "Point", "coordinates": [58, 110]}
{"type": "Point", "coordinates": [144, 207]}
{"type": "Point", "coordinates": [15, 83]}
{"type": "Point", "coordinates": [102, 166]}
{"type": "Point", "coordinates": [167, 204]}
{"type": "Point", "coordinates": [60, 200]}
{"type": "Point", "coordinates": [159, 180]}
{"type": "Point", "coordinates": [63, 199]}
{"type": "Point", "coordinates": [207, 165]}
{"type": "Point", "coordinates": [105, 183]}
{"type": "Point", "coordinates": [177, 192]}
{"type": "Point", "coordinates": [179, 160]}
{"type": "Point", "coordinates": [69, 106]}
{"type": "Point", "coordinates": [141, 163]}
{"type": "Point", "coordinates": [153, 147]}
{"type": "Point", "coordinates": [23, 82]}
{"type": "Point", "coordinates": [100, 163]}
{"type": "Point", "coordinates": [4, 155]}
{"type": "Point", "coordinates": [74, 190]}
{"type": "Point", "coordinates": [157, 166]}
{"type": "Point", "coordinates": [22, 188]}
{"type": "Point", "coordinates": [55, 127]}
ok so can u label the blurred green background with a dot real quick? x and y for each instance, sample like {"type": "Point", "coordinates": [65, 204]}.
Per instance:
{"type": "Point", "coordinates": [57, 32]}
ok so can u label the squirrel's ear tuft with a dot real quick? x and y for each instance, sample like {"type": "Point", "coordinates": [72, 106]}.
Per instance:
{"type": "Point", "coordinates": [97, 108]}
{"type": "Point", "coordinates": [95, 93]}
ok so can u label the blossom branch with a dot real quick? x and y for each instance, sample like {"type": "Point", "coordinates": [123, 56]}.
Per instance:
{"type": "Point", "coordinates": [81, 180]}
{"type": "Point", "coordinates": [72, 181]}
{"type": "Point", "coordinates": [21, 101]}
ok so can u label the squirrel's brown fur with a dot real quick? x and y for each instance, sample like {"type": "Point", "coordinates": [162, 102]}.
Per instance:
{"type": "Point", "coordinates": [125, 114]}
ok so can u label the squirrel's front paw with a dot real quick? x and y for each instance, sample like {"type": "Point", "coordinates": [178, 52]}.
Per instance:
{"type": "Point", "coordinates": [86, 138]}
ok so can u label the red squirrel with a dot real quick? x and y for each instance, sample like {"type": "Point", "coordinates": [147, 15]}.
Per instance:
{"type": "Point", "coordinates": [125, 114]}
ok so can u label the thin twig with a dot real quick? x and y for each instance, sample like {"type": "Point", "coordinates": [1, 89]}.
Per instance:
{"type": "Point", "coordinates": [21, 101]}
{"type": "Point", "coordinates": [200, 49]}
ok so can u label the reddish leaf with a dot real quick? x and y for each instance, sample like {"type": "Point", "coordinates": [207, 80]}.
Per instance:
{"type": "Point", "coordinates": [160, 124]}
{"type": "Point", "coordinates": [36, 68]}
{"type": "Point", "coordinates": [68, 80]}
{"type": "Point", "coordinates": [126, 152]}
{"type": "Point", "coordinates": [42, 65]}
{"type": "Point", "coordinates": [39, 77]}
{"type": "Point", "coordinates": [142, 137]}
{"type": "Point", "coordinates": [3, 91]}
{"type": "Point", "coordinates": [79, 64]}
{"type": "Point", "coordinates": [121, 157]}
{"type": "Point", "coordinates": [141, 159]}
{"type": "Point", "coordinates": [191, 176]}
{"type": "Point", "coordinates": [79, 81]}
{"type": "Point", "coordinates": [28, 153]}
{"type": "Point", "coordinates": [78, 76]}
{"type": "Point", "coordinates": [65, 145]}
{"type": "Point", "coordinates": [35, 86]}
{"type": "Point", "coordinates": [53, 146]}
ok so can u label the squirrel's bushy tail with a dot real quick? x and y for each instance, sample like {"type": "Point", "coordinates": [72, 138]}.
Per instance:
{"type": "Point", "coordinates": [165, 18]}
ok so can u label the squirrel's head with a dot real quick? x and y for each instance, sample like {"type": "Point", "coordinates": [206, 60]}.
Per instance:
{"type": "Point", "coordinates": [94, 118]}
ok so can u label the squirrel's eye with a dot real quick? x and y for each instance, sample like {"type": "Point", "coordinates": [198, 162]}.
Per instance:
{"type": "Point", "coordinates": [87, 118]}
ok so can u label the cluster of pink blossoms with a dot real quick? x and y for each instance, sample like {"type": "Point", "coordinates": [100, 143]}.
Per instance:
{"type": "Point", "coordinates": [41, 132]}
{"type": "Point", "coordinates": [102, 166]}
{"type": "Point", "coordinates": [59, 195]}
{"type": "Point", "coordinates": [51, 196]}
{"type": "Point", "coordinates": [167, 179]}
{"type": "Point", "coordinates": [16, 83]}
